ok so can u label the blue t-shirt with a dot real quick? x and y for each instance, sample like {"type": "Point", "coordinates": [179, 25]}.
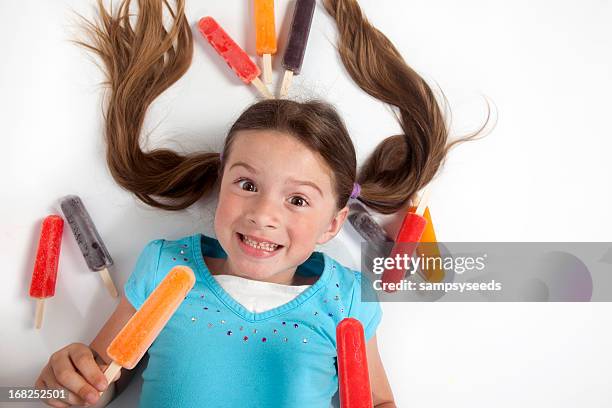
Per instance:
{"type": "Point", "coordinates": [215, 353]}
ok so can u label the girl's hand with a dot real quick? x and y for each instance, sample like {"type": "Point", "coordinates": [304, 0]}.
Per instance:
{"type": "Point", "coordinates": [74, 368]}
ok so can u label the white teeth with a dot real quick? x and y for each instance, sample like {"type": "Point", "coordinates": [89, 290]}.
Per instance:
{"type": "Point", "coordinates": [263, 245]}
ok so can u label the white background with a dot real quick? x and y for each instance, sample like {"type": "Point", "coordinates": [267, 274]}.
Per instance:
{"type": "Point", "coordinates": [542, 174]}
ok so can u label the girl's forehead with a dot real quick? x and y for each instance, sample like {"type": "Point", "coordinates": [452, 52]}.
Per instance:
{"type": "Point", "coordinates": [280, 139]}
{"type": "Point", "coordinates": [277, 153]}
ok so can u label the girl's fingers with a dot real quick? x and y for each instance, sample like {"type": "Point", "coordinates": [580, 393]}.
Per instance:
{"type": "Point", "coordinates": [66, 375]}
{"type": "Point", "coordinates": [42, 384]}
{"type": "Point", "coordinates": [71, 399]}
{"type": "Point", "coordinates": [85, 363]}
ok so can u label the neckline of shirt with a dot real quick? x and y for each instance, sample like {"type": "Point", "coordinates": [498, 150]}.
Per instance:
{"type": "Point", "coordinates": [258, 296]}
{"type": "Point", "coordinates": [230, 302]}
{"type": "Point", "coordinates": [276, 287]}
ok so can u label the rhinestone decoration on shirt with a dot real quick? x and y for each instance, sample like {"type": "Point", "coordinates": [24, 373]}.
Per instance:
{"type": "Point", "coordinates": [285, 339]}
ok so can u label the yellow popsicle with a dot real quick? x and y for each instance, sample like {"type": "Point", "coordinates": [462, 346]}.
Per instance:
{"type": "Point", "coordinates": [265, 35]}
{"type": "Point", "coordinates": [265, 32]}
{"type": "Point", "coordinates": [433, 274]}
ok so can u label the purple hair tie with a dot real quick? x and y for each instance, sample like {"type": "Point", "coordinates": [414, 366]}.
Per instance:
{"type": "Point", "coordinates": [221, 156]}
{"type": "Point", "coordinates": [356, 190]}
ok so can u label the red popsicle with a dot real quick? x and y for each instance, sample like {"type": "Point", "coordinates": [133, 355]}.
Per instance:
{"type": "Point", "coordinates": [353, 376]}
{"type": "Point", "coordinates": [407, 239]}
{"type": "Point", "coordinates": [412, 228]}
{"type": "Point", "coordinates": [44, 276]}
{"type": "Point", "coordinates": [234, 56]}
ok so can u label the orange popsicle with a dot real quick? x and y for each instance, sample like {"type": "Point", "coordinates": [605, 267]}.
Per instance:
{"type": "Point", "coordinates": [140, 331]}
{"type": "Point", "coordinates": [265, 35]}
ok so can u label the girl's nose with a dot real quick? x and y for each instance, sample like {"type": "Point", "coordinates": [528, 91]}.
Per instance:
{"type": "Point", "coordinates": [263, 213]}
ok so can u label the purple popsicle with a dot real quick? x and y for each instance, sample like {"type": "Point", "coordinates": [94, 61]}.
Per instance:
{"type": "Point", "coordinates": [368, 228]}
{"type": "Point", "coordinates": [84, 230]}
{"type": "Point", "coordinates": [298, 39]}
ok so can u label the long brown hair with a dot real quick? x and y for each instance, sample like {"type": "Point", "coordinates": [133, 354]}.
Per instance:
{"type": "Point", "coordinates": [401, 165]}
{"type": "Point", "coordinates": [142, 60]}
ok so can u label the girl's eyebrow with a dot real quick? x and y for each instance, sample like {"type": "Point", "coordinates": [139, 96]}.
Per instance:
{"type": "Point", "coordinates": [243, 164]}
{"type": "Point", "coordinates": [306, 183]}
{"type": "Point", "coordinates": [291, 180]}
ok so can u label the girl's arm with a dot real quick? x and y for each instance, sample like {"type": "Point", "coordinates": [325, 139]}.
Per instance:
{"type": "Point", "coordinates": [114, 324]}
{"type": "Point", "coordinates": [79, 368]}
{"type": "Point", "coordinates": [382, 395]}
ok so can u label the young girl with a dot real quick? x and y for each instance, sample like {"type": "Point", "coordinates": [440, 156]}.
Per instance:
{"type": "Point", "coordinates": [258, 328]}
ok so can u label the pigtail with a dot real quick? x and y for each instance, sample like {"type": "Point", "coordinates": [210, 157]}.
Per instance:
{"type": "Point", "coordinates": [141, 60]}
{"type": "Point", "coordinates": [402, 164]}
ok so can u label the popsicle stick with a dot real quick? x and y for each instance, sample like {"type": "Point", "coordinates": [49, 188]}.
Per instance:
{"type": "Point", "coordinates": [40, 309]}
{"type": "Point", "coordinates": [111, 371]}
{"type": "Point", "coordinates": [262, 88]}
{"type": "Point", "coordinates": [423, 202]}
{"type": "Point", "coordinates": [108, 282]}
{"type": "Point", "coordinates": [420, 210]}
{"type": "Point", "coordinates": [286, 84]}
{"type": "Point", "coordinates": [267, 73]}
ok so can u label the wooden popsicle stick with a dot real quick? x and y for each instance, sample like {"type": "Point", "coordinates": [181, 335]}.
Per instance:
{"type": "Point", "coordinates": [267, 73]}
{"type": "Point", "coordinates": [110, 373]}
{"type": "Point", "coordinates": [286, 84]}
{"type": "Point", "coordinates": [420, 210]}
{"type": "Point", "coordinates": [108, 282]}
{"type": "Point", "coordinates": [40, 308]}
{"type": "Point", "coordinates": [262, 88]}
{"type": "Point", "coordinates": [423, 202]}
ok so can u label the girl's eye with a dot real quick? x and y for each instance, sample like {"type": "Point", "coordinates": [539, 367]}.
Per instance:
{"type": "Point", "coordinates": [250, 186]}
{"type": "Point", "coordinates": [299, 201]}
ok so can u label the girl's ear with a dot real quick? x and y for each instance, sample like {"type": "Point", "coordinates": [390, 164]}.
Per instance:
{"type": "Point", "coordinates": [334, 226]}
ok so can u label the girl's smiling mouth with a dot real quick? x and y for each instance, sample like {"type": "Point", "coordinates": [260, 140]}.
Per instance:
{"type": "Point", "coordinates": [254, 247]}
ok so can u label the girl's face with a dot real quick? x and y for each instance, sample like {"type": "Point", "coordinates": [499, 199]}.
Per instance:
{"type": "Point", "coordinates": [273, 190]}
